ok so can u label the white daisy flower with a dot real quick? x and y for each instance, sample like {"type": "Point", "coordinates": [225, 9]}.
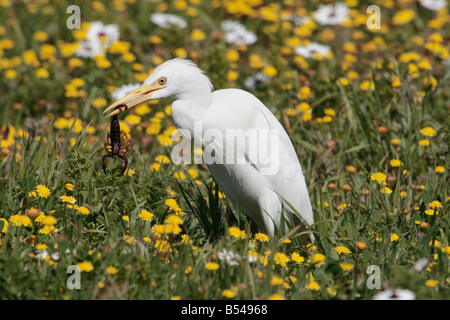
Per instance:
{"type": "Point", "coordinates": [122, 91]}
{"type": "Point", "coordinates": [253, 82]}
{"type": "Point", "coordinates": [298, 20]}
{"type": "Point", "coordinates": [332, 14]}
{"type": "Point", "coordinates": [311, 49]}
{"type": "Point", "coordinates": [229, 257]}
{"type": "Point", "coordinates": [55, 256]}
{"type": "Point", "coordinates": [42, 254]}
{"type": "Point", "coordinates": [252, 259]}
{"type": "Point", "coordinates": [89, 49]}
{"type": "Point", "coordinates": [99, 37]}
{"type": "Point", "coordinates": [421, 264]}
{"type": "Point", "coordinates": [434, 5]}
{"type": "Point", "coordinates": [103, 34]}
{"type": "Point", "coordinates": [166, 20]}
{"type": "Point", "coordinates": [395, 294]}
{"type": "Point", "coordinates": [238, 34]}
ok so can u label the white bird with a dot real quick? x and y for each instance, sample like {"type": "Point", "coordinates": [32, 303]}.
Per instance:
{"type": "Point", "coordinates": [259, 185]}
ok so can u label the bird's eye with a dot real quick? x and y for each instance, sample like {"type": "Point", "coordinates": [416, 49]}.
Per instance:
{"type": "Point", "coordinates": [162, 80]}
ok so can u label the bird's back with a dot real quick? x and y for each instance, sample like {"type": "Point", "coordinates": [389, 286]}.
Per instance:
{"type": "Point", "coordinates": [234, 108]}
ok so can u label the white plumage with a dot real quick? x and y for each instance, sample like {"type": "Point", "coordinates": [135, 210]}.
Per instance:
{"type": "Point", "coordinates": [243, 176]}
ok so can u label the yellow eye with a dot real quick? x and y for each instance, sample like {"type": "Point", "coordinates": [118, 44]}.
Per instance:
{"type": "Point", "coordinates": [162, 80]}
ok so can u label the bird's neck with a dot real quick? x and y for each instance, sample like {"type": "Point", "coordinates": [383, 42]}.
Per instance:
{"type": "Point", "coordinates": [189, 110]}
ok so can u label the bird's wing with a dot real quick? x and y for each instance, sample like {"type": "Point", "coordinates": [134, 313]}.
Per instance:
{"type": "Point", "coordinates": [277, 163]}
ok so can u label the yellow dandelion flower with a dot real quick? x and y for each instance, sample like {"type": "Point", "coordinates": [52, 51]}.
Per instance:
{"type": "Point", "coordinates": [270, 71]}
{"type": "Point", "coordinates": [367, 85]}
{"type": "Point", "coordinates": [228, 293]}
{"type": "Point", "coordinates": [42, 191]}
{"type": "Point", "coordinates": [435, 204]}
{"type": "Point", "coordinates": [312, 285]}
{"type": "Point", "coordinates": [281, 259]}
{"type": "Point", "coordinates": [19, 220]}
{"type": "Point", "coordinates": [132, 119]}
{"type": "Point", "coordinates": [424, 142]}
{"type": "Point", "coordinates": [305, 93]}
{"type": "Point", "coordinates": [428, 132]}
{"type": "Point", "coordinates": [146, 215]}
{"type": "Point", "coordinates": [48, 229]}
{"type": "Point", "coordinates": [212, 266]}
{"type": "Point", "coordinates": [395, 163]}
{"type": "Point", "coordinates": [5, 225]}
{"type": "Point", "coordinates": [83, 210]}
{"type": "Point", "coordinates": [69, 186]}
{"type": "Point", "coordinates": [173, 219]}
{"type": "Point", "coordinates": [318, 259]}
{"type": "Point", "coordinates": [42, 73]}
{"type": "Point", "coordinates": [85, 266]}
{"type": "Point", "coordinates": [142, 109]}
{"type": "Point", "coordinates": [49, 220]}
{"type": "Point", "coordinates": [297, 258]}
{"type": "Point", "coordinates": [386, 190]}
{"type": "Point", "coordinates": [68, 199]}
{"type": "Point", "coordinates": [275, 296]}
{"type": "Point", "coordinates": [342, 250]}
{"type": "Point", "coordinates": [394, 237]}
{"type": "Point", "coordinates": [275, 281]}
{"type": "Point", "coordinates": [440, 169]}
{"type": "Point", "coordinates": [237, 233]}
{"type": "Point", "coordinates": [41, 246]}
{"type": "Point", "coordinates": [173, 205]}
{"type": "Point", "coordinates": [162, 159]}
{"type": "Point", "coordinates": [432, 283]}
{"type": "Point", "coordinates": [435, 243]}
{"type": "Point", "coordinates": [99, 103]}
{"type": "Point", "coordinates": [197, 35]}
{"type": "Point", "coordinates": [378, 177]}
{"type": "Point", "coordinates": [159, 229]}
{"type": "Point", "coordinates": [261, 237]}
{"type": "Point", "coordinates": [403, 17]}
{"type": "Point", "coordinates": [111, 270]}
{"type": "Point", "coordinates": [346, 266]}
{"type": "Point", "coordinates": [10, 74]}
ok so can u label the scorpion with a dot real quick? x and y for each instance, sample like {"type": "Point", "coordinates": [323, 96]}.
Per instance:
{"type": "Point", "coordinates": [118, 144]}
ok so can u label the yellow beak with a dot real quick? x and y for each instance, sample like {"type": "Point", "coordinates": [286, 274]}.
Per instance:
{"type": "Point", "coordinates": [141, 94]}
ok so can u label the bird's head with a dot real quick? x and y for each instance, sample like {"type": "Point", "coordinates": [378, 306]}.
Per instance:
{"type": "Point", "coordinates": [176, 78]}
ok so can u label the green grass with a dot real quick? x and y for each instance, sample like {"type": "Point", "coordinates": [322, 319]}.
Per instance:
{"type": "Point", "coordinates": [349, 207]}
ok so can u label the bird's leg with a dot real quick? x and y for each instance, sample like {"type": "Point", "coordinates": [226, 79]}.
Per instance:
{"type": "Point", "coordinates": [124, 164]}
{"type": "Point", "coordinates": [104, 161]}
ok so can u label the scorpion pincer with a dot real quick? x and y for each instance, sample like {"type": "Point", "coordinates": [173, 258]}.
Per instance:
{"type": "Point", "coordinates": [118, 144]}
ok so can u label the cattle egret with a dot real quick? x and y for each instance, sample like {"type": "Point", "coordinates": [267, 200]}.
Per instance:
{"type": "Point", "coordinates": [243, 175]}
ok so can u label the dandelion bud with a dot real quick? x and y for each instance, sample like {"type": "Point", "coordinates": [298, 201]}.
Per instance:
{"type": "Point", "coordinates": [361, 245]}
{"type": "Point", "coordinates": [382, 129]}
{"type": "Point", "coordinates": [365, 191]}
{"type": "Point", "coordinates": [33, 213]}
{"type": "Point", "coordinates": [391, 179]}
